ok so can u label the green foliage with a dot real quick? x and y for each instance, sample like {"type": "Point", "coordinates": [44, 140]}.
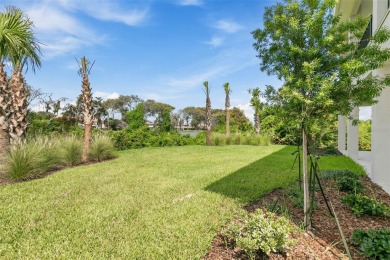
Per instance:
{"type": "Point", "coordinates": [295, 194]}
{"type": "Point", "coordinates": [218, 139]}
{"type": "Point", "coordinates": [240, 139]}
{"type": "Point", "coordinates": [71, 150]}
{"type": "Point", "coordinates": [164, 123]}
{"type": "Point", "coordinates": [346, 180]}
{"type": "Point", "coordinates": [260, 231]}
{"type": "Point", "coordinates": [30, 159]}
{"type": "Point", "coordinates": [321, 68]}
{"type": "Point", "coordinates": [101, 148]}
{"type": "Point", "coordinates": [62, 125]}
{"type": "Point", "coordinates": [375, 244]}
{"type": "Point", "coordinates": [136, 118]}
{"type": "Point", "coordinates": [145, 137]}
{"type": "Point", "coordinates": [363, 205]}
{"type": "Point", "coordinates": [365, 135]}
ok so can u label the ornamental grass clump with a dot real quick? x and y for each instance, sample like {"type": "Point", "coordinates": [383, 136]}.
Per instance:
{"type": "Point", "coordinates": [102, 148]}
{"type": "Point", "coordinates": [71, 150]}
{"type": "Point", "coordinates": [30, 159]}
{"type": "Point", "coordinates": [218, 139]}
{"type": "Point", "coordinates": [260, 231]}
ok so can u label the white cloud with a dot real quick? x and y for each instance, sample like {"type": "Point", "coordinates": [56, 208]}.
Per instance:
{"type": "Point", "coordinates": [60, 32]}
{"type": "Point", "coordinates": [215, 41]}
{"type": "Point", "coordinates": [248, 110]}
{"type": "Point", "coordinates": [190, 2]}
{"type": "Point", "coordinates": [227, 26]}
{"type": "Point", "coordinates": [365, 113]}
{"type": "Point", "coordinates": [106, 95]}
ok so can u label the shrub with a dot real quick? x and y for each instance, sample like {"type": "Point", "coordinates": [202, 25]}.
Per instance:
{"type": "Point", "coordinates": [375, 244]}
{"type": "Point", "coordinates": [71, 150]}
{"type": "Point", "coordinates": [30, 159]}
{"type": "Point", "coordinates": [218, 139]}
{"type": "Point", "coordinates": [346, 180]}
{"type": "Point", "coordinates": [236, 138]}
{"type": "Point", "coordinates": [365, 205]}
{"type": "Point", "coordinates": [260, 230]}
{"type": "Point", "coordinates": [101, 148]}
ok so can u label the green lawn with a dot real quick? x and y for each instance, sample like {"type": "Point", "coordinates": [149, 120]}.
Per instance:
{"type": "Point", "coordinates": [124, 208]}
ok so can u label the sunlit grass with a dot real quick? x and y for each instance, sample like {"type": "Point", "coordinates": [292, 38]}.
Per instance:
{"type": "Point", "coordinates": [134, 207]}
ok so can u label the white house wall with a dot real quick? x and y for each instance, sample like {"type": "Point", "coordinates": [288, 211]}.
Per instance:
{"type": "Point", "coordinates": [380, 141]}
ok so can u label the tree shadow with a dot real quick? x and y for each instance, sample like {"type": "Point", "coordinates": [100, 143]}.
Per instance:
{"type": "Point", "coordinates": [258, 178]}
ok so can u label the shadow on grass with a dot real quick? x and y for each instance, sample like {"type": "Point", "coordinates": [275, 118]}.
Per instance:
{"type": "Point", "coordinates": [258, 178]}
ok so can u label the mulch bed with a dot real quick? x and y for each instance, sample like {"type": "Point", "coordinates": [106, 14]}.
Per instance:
{"type": "Point", "coordinates": [324, 240]}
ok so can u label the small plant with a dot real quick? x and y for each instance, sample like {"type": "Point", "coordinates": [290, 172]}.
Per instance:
{"type": "Point", "coordinates": [71, 150]}
{"type": "Point", "coordinates": [375, 244]}
{"type": "Point", "coordinates": [362, 205]}
{"type": "Point", "coordinates": [346, 180]}
{"type": "Point", "coordinates": [101, 148]}
{"type": "Point", "coordinates": [218, 139]}
{"type": "Point", "coordinates": [260, 231]}
{"type": "Point", "coordinates": [236, 139]}
{"type": "Point", "coordinates": [296, 196]}
{"type": "Point", "coordinates": [30, 159]}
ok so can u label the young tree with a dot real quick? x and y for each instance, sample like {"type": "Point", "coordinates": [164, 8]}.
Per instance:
{"type": "Point", "coordinates": [256, 104]}
{"type": "Point", "coordinates": [23, 50]}
{"type": "Point", "coordinates": [320, 63]}
{"type": "Point", "coordinates": [208, 112]}
{"type": "Point", "coordinates": [228, 91]}
{"type": "Point", "coordinates": [136, 118]}
{"type": "Point", "coordinates": [85, 68]}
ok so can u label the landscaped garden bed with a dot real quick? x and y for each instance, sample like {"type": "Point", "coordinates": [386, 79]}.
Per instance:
{"type": "Point", "coordinates": [324, 240]}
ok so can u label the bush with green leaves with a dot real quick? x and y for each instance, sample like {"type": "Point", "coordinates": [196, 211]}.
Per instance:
{"type": "Point", "coordinates": [101, 148]}
{"type": "Point", "coordinates": [218, 139]}
{"type": "Point", "coordinates": [345, 180]}
{"type": "Point", "coordinates": [260, 231]}
{"type": "Point", "coordinates": [375, 244]}
{"type": "Point", "coordinates": [71, 150]}
{"type": "Point", "coordinates": [30, 159]}
{"type": "Point", "coordinates": [364, 205]}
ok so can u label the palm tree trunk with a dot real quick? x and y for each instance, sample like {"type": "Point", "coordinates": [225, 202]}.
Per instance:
{"type": "Point", "coordinates": [257, 122]}
{"type": "Point", "coordinates": [87, 103]}
{"type": "Point", "coordinates": [227, 111]}
{"type": "Point", "coordinates": [5, 112]}
{"type": "Point", "coordinates": [18, 121]}
{"type": "Point", "coordinates": [208, 121]}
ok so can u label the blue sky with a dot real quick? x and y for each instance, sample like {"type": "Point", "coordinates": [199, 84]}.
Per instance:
{"type": "Point", "coordinates": [156, 49]}
{"type": "Point", "coordinates": [161, 49]}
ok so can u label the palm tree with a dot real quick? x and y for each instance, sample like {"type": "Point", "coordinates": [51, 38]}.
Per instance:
{"type": "Point", "coordinates": [85, 68]}
{"type": "Point", "coordinates": [208, 113]}
{"type": "Point", "coordinates": [227, 89]}
{"type": "Point", "coordinates": [19, 46]}
{"type": "Point", "coordinates": [256, 104]}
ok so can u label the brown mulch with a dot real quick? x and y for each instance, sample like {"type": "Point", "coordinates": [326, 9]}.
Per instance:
{"type": "Point", "coordinates": [324, 240]}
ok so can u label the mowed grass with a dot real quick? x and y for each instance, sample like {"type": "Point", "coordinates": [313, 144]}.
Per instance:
{"type": "Point", "coordinates": [134, 207]}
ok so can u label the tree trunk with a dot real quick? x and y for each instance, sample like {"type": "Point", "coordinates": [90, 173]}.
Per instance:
{"type": "Point", "coordinates": [18, 121]}
{"type": "Point", "coordinates": [208, 121]}
{"type": "Point", "coordinates": [227, 110]}
{"type": "Point", "coordinates": [5, 145]}
{"type": "Point", "coordinates": [5, 113]}
{"type": "Point", "coordinates": [87, 141]}
{"type": "Point", "coordinates": [87, 105]}
{"type": "Point", "coordinates": [257, 122]}
{"type": "Point", "coordinates": [306, 199]}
